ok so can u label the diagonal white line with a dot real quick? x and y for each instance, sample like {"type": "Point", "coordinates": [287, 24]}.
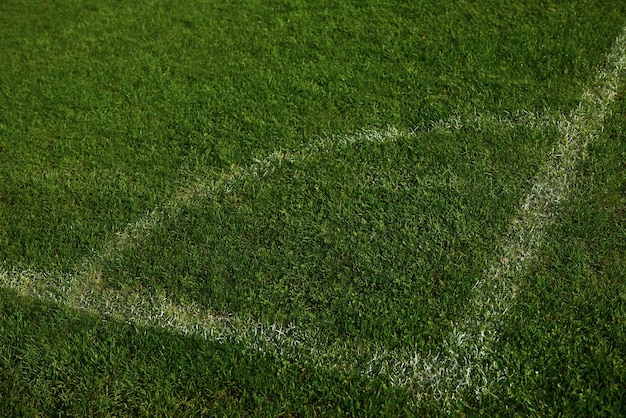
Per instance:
{"type": "Point", "coordinates": [206, 186]}
{"type": "Point", "coordinates": [464, 363]}
{"type": "Point", "coordinates": [85, 291]}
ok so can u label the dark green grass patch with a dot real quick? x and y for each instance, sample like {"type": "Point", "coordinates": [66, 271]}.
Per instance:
{"type": "Point", "coordinates": [378, 241]}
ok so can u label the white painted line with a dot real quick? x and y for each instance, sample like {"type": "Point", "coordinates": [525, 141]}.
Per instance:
{"type": "Point", "coordinates": [464, 365]}
{"type": "Point", "coordinates": [227, 182]}
{"type": "Point", "coordinates": [450, 369]}
{"type": "Point", "coordinates": [84, 290]}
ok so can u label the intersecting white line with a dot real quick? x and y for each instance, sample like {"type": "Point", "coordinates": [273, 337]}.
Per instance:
{"type": "Point", "coordinates": [84, 290]}
{"type": "Point", "coordinates": [464, 364]}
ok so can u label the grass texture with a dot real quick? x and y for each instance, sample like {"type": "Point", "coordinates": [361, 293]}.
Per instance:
{"type": "Point", "coordinates": [289, 208]}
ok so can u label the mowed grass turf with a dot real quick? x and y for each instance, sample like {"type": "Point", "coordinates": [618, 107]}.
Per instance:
{"type": "Point", "coordinates": [108, 110]}
{"type": "Point", "coordinates": [566, 335]}
{"type": "Point", "coordinates": [379, 242]}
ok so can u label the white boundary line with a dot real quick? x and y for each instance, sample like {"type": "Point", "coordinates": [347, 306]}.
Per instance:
{"type": "Point", "coordinates": [464, 364]}
{"type": "Point", "coordinates": [85, 291]}
{"type": "Point", "coordinates": [227, 182]}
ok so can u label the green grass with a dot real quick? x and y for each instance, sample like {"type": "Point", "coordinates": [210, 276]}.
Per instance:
{"type": "Point", "coordinates": [107, 107]}
{"type": "Point", "coordinates": [566, 335]}
{"type": "Point", "coordinates": [380, 242]}
{"type": "Point", "coordinates": [248, 125]}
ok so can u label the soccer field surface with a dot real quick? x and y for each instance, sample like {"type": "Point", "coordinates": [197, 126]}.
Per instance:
{"type": "Point", "coordinates": [334, 208]}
